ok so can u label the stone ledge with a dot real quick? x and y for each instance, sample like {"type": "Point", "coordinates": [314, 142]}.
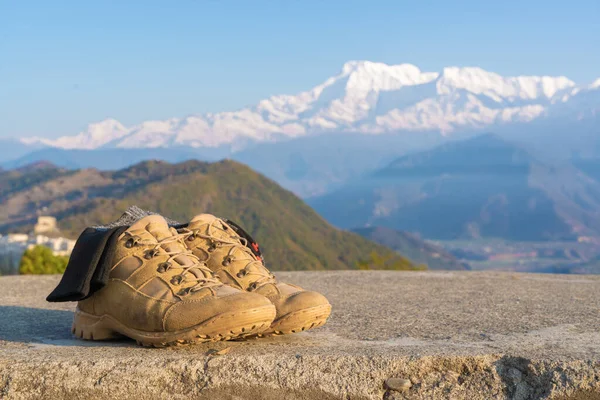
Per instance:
{"type": "Point", "coordinates": [453, 334]}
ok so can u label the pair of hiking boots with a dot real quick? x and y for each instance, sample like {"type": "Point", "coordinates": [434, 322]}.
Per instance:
{"type": "Point", "coordinates": [163, 284]}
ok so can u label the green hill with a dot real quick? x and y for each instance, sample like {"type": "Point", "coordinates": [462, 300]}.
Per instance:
{"type": "Point", "coordinates": [291, 234]}
{"type": "Point", "coordinates": [12, 181]}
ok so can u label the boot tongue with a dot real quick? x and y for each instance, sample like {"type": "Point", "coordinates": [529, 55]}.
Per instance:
{"type": "Point", "coordinates": [218, 227]}
{"type": "Point", "coordinates": [155, 225]}
{"type": "Point", "coordinates": [159, 229]}
{"type": "Point", "coordinates": [201, 219]}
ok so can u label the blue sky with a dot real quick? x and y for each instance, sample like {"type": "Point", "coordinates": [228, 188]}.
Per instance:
{"type": "Point", "coordinates": [64, 64]}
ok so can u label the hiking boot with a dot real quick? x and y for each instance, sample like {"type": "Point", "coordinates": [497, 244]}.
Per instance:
{"type": "Point", "coordinates": [160, 294]}
{"type": "Point", "coordinates": [235, 258]}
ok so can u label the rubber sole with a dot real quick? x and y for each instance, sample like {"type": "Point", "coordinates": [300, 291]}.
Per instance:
{"type": "Point", "coordinates": [301, 320]}
{"type": "Point", "coordinates": [226, 326]}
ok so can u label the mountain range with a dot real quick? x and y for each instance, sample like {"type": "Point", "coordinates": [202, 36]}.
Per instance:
{"type": "Point", "coordinates": [480, 187]}
{"type": "Point", "coordinates": [358, 120]}
{"type": "Point", "coordinates": [364, 97]}
{"type": "Point", "coordinates": [388, 151]}
{"type": "Point", "coordinates": [387, 147]}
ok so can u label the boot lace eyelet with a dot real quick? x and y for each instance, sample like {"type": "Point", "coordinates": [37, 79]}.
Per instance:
{"type": "Point", "coordinates": [132, 241]}
{"type": "Point", "coordinates": [213, 246]}
{"type": "Point", "coordinates": [184, 292]}
{"type": "Point", "coordinates": [227, 261]}
{"type": "Point", "coordinates": [241, 273]}
{"type": "Point", "coordinates": [163, 267]}
{"type": "Point", "coordinates": [192, 236]}
{"type": "Point", "coordinates": [150, 253]}
{"type": "Point", "coordinates": [252, 286]}
{"type": "Point", "coordinates": [176, 280]}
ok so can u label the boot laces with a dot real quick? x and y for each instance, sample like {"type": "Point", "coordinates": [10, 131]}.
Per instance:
{"type": "Point", "coordinates": [156, 248]}
{"type": "Point", "coordinates": [254, 266]}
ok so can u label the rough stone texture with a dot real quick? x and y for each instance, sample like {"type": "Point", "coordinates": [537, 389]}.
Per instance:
{"type": "Point", "coordinates": [454, 335]}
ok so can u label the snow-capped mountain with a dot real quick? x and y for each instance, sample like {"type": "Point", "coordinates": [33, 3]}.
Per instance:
{"type": "Point", "coordinates": [97, 135]}
{"type": "Point", "coordinates": [365, 97]}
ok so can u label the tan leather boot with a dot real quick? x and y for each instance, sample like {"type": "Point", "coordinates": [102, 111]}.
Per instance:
{"type": "Point", "coordinates": [229, 255]}
{"type": "Point", "coordinates": [159, 294]}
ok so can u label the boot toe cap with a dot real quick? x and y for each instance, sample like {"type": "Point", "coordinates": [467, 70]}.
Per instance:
{"type": "Point", "coordinates": [226, 310]}
{"type": "Point", "coordinates": [301, 301]}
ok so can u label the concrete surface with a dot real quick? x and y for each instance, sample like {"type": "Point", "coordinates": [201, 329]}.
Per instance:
{"type": "Point", "coordinates": [455, 335]}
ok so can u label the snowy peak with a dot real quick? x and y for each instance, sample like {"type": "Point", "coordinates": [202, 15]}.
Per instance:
{"type": "Point", "coordinates": [366, 76]}
{"type": "Point", "coordinates": [366, 97]}
{"type": "Point", "coordinates": [96, 135]}
{"type": "Point", "coordinates": [479, 81]}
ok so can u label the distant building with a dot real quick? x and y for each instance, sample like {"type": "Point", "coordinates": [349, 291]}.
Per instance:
{"type": "Point", "coordinates": [13, 245]}
{"type": "Point", "coordinates": [45, 225]}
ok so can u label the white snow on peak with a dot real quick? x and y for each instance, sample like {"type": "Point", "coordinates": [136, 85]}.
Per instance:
{"type": "Point", "coordinates": [365, 76]}
{"type": "Point", "coordinates": [96, 135]}
{"type": "Point", "coordinates": [479, 81]}
{"type": "Point", "coordinates": [366, 97]}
